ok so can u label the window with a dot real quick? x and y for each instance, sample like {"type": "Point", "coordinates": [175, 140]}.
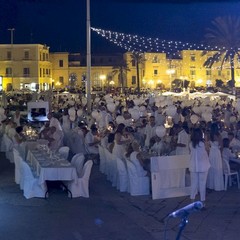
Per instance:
{"type": "Point", "coordinates": [26, 54]}
{"type": "Point", "coordinates": [155, 59]}
{"type": "Point", "coordinates": [61, 80]}
{"type": "Point", "coordinates": [133, 63]}
{"type": "Point", "coordinates": [26, 72]}
{"type": "Point", "coordinates": [9, 55]}
{"type": "Point", "coordinates": [208, 72]}
{"type": "Point", "coordinates": [44, 57]}
{"type": "Point", "coordinates": [43, 72]}
{"type": "Point", "coordinates": [60, 63]}
{"type": "Point", "coordinates": [219, 73]}
{"type": "Point", "coordinates": [8, 71]}
{"type": "Point", "coordinates": [193, 57]}
{"type": "Point", "coordinates": [192, 72]}
{"type": "Point", "coordinates": [155, 72]}
{"type": "Point", "coordinates": [40, 72]}
{"type": "Point", "coordinates": [134, 80]}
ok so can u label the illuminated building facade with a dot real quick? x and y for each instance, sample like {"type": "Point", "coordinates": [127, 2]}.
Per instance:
{"type": "Point", "coordinates": [32, 66]}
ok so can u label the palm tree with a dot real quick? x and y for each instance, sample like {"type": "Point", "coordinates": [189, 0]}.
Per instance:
{"type": "Point", "coordinates": [121, 69]}
{"type": "Point", "coordinates": [139, 60]}
{"type": "Point", "coordinates": [225, 34]}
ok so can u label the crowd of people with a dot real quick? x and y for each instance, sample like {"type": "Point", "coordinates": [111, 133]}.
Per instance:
{"type": "Point", "coordinates": [135, 128]}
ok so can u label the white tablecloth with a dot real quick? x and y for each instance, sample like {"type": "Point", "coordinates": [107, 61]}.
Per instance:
{"type": "Point", "coordinates": [51, 169]}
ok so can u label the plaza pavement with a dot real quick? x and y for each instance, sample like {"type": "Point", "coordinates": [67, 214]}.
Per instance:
{"type": "Point", "coordinates": [109, 214]}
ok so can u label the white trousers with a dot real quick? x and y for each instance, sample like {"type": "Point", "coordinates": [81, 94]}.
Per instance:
{"type": "Point", "coordinates": [198, 184]}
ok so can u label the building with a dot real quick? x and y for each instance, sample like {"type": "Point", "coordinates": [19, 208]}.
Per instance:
{"type": "Point", "coordinates": [32, 66]}
{"type": "Point", "coordinates": [25, 66]}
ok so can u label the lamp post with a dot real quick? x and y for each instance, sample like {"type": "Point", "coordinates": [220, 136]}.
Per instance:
{"type": "Point", "coordinates": [12, 30]}
{"type": "Point", "coordinates": [88, 82]}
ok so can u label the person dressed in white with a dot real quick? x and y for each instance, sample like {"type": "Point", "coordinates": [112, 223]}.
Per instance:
{"type": "Point", "coordinates": [92, 140]}
{"type": "Point", "coordinates": [66, 122]}
{"type": "Point", "coordinates": [215, 175]}
{"type": "Point", "coordinates": [150, 131]}
{"type": "Point", "coordinates": [120, 142]}
{"type": "Point", "coordinates": [183, 141]}
{"type": "Point", "coordinates": [53, 122]}
{"type": "Point", "coordinates": [17, 117]}
{"type": "Point", "coordinates": [55, 138]}
{"type": "Point", "coordinates": [228, 155]}
{"type": "Point", "coordinates": [136, 161]}
{"type": "Point", "coordinates": [199, 165]}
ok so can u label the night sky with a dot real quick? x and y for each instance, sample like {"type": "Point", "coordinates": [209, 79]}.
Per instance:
{"type": "Point", "coordinates": [61, 24]}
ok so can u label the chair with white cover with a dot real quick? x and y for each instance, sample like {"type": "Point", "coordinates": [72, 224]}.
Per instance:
{"type": "Point", "coordinates": [228, 173]}
{"type": "Point", "coordinates": [17, 158]}
{"type": "Point", "coordinates": [8, 147]}
{"type": "Point", "coordinates": [122, 175]}
{"type": "Point", "coordinates": [78, 161]}
{"type": "Point", "coordinates": [31, 186]}
{"type": "Point", "coordinates": [80, 188]}
{"type": "Point", "coordinates": [102, 166]}
{"type": "Point", "coordinates": [64, 152]}
{"type": "Point", "coordinates": [111, 167]}
{"type": "Point", "coordinates": [138, 185]}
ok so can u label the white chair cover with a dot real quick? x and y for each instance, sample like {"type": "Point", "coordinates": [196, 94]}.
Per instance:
{"type": "Point", "coordinates": [122, 175]}
{"type": "Point", "coordinates": [31, 187]}
{"type": "Point", "coordinates": [17, 158]}
{"type": "Point", "coordinates": [138, 185]}
{"type": "Point", "coordinates": [64, 152]}
{"type": "Point", "coordinates": [80, 188]}
{"type": "Point", "coordinates": [8, 146]}
{"type": "Point", "coordinates": [112, 174]}
{"type": "Point", "coordinates": [77, 161]}
{"type": "Point", "coordinates": [228, 173]}
{"type": "Point", "coordinates": [102, 166]}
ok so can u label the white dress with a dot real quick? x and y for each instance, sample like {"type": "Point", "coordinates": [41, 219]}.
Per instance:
{"type": "Point", "coordinates": [119, 149]}
{"type": "Point", "coordinates": [215, 175]}
{"type": "Point", "coordinates": [140, 171]}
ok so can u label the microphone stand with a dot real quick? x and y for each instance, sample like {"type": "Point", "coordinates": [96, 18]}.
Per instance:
{"type": "Point", "coordinates": [182, 225]}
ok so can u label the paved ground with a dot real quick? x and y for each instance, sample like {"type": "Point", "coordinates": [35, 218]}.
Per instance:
{"type": "Point", "coordinates": [109, 214]}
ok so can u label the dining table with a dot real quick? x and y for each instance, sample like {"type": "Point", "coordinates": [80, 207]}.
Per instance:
{"type": "Point", "coordinates": [50, 166]}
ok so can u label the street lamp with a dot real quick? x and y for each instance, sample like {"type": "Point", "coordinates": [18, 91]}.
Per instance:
{"type": "Point", "coordinates": [170, 72]}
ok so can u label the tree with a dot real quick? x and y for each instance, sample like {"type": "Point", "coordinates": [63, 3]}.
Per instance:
{"type": "Point", "coordinates": [139, 60]}
{"type": "Point", "coordinates": [225, 34]}
{"type": "Point", "coordinates": [121, 69]}
{"type": "Point", "coordinates": [219, 83]}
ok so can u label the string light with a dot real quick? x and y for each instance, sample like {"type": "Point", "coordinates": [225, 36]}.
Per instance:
{"type": "Point", "coordinates": [174, 49]}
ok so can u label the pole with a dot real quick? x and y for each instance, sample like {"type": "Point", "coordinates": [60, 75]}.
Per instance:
{"type": "Point", "coordinates": [88, 82]}
{"type": "Point", "coordinates": [12, 30]}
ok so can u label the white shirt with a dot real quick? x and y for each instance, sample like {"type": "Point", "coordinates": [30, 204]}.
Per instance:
{"type": "Point", "coordinates": [199, 160]}
{"type": "Point", "coordinates": [55, 123]}
{"type": "Point", "coordinates": [183, 138]}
